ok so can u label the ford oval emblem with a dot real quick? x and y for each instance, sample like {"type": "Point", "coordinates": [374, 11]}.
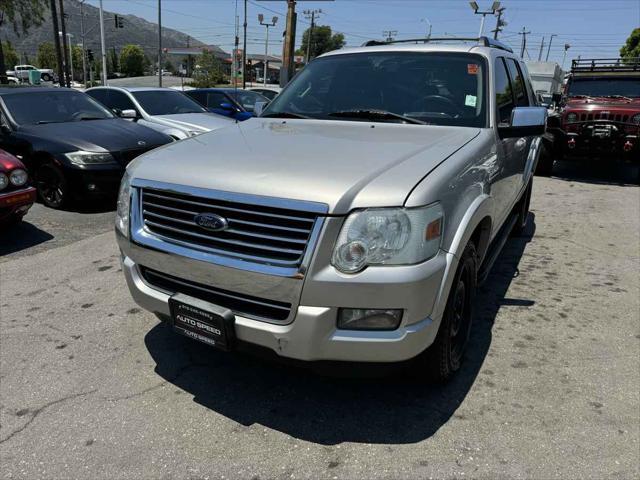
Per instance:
{"type": "Point", "coordinates": [211, 222]}
{"type": "Point", "coordinates": [142, 143]}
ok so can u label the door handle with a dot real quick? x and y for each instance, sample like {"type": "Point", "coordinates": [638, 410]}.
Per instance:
{"type": "Point", "coordinates": [520, 144]}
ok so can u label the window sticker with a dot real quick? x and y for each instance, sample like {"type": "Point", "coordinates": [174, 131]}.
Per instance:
{"type": "Point", "coordinates": [470, 100]}
{"type": "Point", "coordinates": [472, 68]}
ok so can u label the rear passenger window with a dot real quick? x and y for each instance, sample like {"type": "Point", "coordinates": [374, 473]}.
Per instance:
{"type": "Point", "coordinates": [99, 95]}
{"type": "Point", "coordinates": [504, 97]}
{"type": "Point", "coordinates": [519, 90]}
{"type": "Point", "coordinates": [120, 101]}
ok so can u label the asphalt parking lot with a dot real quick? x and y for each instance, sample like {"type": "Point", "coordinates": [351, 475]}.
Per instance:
{"type": "Point", "coordinates": [93, 387]}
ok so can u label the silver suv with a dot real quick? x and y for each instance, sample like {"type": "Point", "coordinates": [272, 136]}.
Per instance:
{"type": "Point", "coordinates": [354, 219]}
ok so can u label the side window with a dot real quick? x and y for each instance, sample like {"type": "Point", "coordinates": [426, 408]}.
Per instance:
{"type": "Point", "coordinates": [215, 99]}
{"type": "Point", "coordinates": [119, 100]}
{"type": "Point", "coordinates": [200, 97]}
{"type": "Point", "coordinates": [504, 96]}
{"type": "Point", "coordinates": [527, 81]}
{"type": "Point", "coordinates": [519, 90]}
{"type": "Point", "coordinates": [99, 95]}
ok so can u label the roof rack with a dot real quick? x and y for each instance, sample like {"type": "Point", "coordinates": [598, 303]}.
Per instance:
{"type": "Point", "coordinates": [605, 65]}
{"type": "Point", "coordinates": [483, 41]}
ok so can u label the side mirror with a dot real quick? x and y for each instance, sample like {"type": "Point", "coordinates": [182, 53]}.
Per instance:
{"type": "Point", "coordinates": [258, 108]}
{"type": "Point", "coordinates": [525, 122]}
{"type": "Point", "coordinates": [129, 113]}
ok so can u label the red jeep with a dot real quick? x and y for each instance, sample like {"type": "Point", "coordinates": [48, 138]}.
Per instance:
{"type": "Point", "coordinates": [16, 196]}
{"type": "Point", "coordinates": [600, 114]}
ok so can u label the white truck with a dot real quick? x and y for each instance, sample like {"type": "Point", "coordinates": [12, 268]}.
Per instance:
{"type": "Point", "coordinates": [21, 72]}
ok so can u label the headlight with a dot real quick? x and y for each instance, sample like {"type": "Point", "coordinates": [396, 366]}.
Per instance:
{"type": "Point", "coordinates": [388, 236]}
{"type": "Point", "coordinates": [90, 158]}
{"type": "Point", "coordinates": [124, 205]}
{"type": "Point", "coordinates": [18, 177]}
{"type": "Point", "coordinates": [572, 117]}
{"type": "Point", "coordinates": [4, 181]}
{"type": "Point", "coordinates": [636, 119]}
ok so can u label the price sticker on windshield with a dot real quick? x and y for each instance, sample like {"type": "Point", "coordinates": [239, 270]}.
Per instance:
{"type": "Point", "coordinates": [472, 68]}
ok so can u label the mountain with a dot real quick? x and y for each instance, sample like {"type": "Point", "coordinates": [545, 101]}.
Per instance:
{"type": "Point", "coordinates": [136, 31]}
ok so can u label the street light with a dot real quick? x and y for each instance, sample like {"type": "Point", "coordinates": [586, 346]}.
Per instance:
{"type": "Point", "coordinates": [274, 20]}
{"type": "Point", "coordinates": [426, 20]}
{"type": "Point", "coordinates": [494, 7]}
{"type": "Point", "coordinates": [549, 47]}
{"type": "Point", "coordinates": [566, 47]}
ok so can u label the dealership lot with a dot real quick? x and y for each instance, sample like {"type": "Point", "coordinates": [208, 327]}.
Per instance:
{"type": "Point", "coordinates": [94, 387]}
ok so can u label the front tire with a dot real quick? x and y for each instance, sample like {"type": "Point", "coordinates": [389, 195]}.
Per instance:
{"type": "Point", "coordinates": [46, 77]}
{"type": "Point", "coordinates": [444, 358]}
{"type": "Point", "coordinates": [53, 188]}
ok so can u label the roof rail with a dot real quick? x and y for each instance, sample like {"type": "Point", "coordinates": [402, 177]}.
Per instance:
{"type": "Point", "coordinates": [605, 65]}
{"type": "Point", "coordinates": [483, 41]}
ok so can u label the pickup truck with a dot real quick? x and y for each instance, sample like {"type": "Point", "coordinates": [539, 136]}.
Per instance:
{"type": "Point", "coordinates": [354, 219]}
{"type": "Point", "coordinates": [21, 72]}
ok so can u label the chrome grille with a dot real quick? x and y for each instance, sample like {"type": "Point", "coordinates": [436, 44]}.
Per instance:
{"type": "Point", "coordinates": [241, 304]}
{"type": "Point", "coordinates": [257, 233]}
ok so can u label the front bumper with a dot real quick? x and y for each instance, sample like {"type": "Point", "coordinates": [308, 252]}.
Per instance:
{"type": "Point", "coordinates": [599, 138]}
{"type": "Point", "coordinates": [311, 334]}
{"type": "Point", "coordinates": [17, 202]}
{"type": "Point", "coordinates": [94, 180]}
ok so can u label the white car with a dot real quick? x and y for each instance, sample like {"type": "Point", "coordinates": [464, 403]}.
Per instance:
{"type": "Point", "coordinates": [166, 110]}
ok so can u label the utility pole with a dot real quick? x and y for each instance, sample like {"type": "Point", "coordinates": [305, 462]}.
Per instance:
{"type": "Point", "coordinates": [56, 36]}
{"type": "Point", "coordinates": [549, 47]}
{"type": "Point", "coordinates": [474, 6]}
{"type": "Point", "coordinates": [64, 37]}
{"type": "Point", "coordinates": [541, 47]}
{"type": "Point", "coordinates": [287, 70]}
{"type": "Point", "coordinates": [84, 61]}
{"type": "Point", "coordinates": [390, 34]}
{"type": "Point", "coordinates": [244, 48]}
{"type": "Point", "coordinates": [524, 34]}
{"type": "Point", "coordinates": [69, 37]}
{"type": "Point", "coordinates": [160, 43]}
{"type": "Point", "coordinates": [499, 23]}
{"type": "Point", "coordinates": [311, 15]}
{"type": "Point", "coordinates": [564, 57]}
{"type": "Point", "coordinates": [274, 20]}
{"type": "Point", "coordinates": [103, 48]}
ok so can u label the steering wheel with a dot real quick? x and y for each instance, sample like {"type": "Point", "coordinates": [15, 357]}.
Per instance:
{"type": "Point", "coordinates": [453, 108]}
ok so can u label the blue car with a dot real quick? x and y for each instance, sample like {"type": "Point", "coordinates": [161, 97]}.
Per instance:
{"type": "Point", "coordinates": [235, 103]}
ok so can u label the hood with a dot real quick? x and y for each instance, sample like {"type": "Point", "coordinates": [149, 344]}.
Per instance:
{"type": "Point", "coordinates": [344, 165]}
{"type": "Point", "coordinates": [597, 104]}
{"type": "Point", "coordinates": [111, 135]}
{"type": "Point", "coordinates": [199, 122]}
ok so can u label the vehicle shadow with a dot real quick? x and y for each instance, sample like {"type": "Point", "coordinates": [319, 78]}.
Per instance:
{"type": "Point", "coordinates": [14, 238]}
{"type": "Point", "coordinates": [600, 172]}
{"type": "Point", "coordinates": [89, 206]}
{"type": "Point", "coordinates": [393, 409]}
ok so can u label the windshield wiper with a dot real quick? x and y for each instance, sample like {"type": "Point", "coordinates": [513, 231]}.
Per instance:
{"type": "Point", "coordinates": [43, 122]}
{"type": "Point", "coordinates": [91, 118]}
{"type": "Point", "coordinates": [376, 115]}
{"type": "Point", "coordinates": [285, 115]}
{"type": "Point", "coordinates": [617, 96]}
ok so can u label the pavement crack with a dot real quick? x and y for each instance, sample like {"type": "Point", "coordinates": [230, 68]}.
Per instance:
{"type": "Point", "coordinates": [38, 411]}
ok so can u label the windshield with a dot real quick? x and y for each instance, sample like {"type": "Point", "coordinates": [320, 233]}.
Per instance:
{"type": "Point", "coordinates": [433, 88]}
{"type": "Point", "coordinates": [605, 87]}
{"type": "Point", "coordinates": [31, 108]}
{"type": "Point", "coordinates": [247, 98]}
{"type": "Point", "coordinates": [160, 102]}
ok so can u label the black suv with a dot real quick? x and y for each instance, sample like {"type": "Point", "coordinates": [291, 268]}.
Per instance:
{"type": "Point", "coordinates": [73, 146]}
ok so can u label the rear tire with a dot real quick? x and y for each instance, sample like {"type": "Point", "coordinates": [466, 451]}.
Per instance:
{"type": "Point", "coordinates": [444, 357]}
{"type": "Point", "coordinates": [53, 189]}
{"type": "Point", "coordinates": [46, 77]}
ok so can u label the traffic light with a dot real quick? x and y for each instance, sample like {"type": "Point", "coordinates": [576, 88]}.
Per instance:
{"type": "Point", "coordinates": [118, 21]}
{"type": "Point", "coordinates": [90, 55]}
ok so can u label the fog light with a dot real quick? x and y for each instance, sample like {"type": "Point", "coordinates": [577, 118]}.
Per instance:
{"type": "Point", "coordinates": [628, 146]}
{"type": "Point", "coordinates": [368, 319]}
{"type": "Point", "coordinates": [571, 143]}
{"type": "Point", "coordinates": [91, 187]}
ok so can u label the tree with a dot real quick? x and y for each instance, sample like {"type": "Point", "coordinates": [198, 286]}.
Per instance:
{"type": "Point", "coordinates": [21, 15]}
{"type": "Point", "coordinates": [113, 59]}
{"type": "Point", "coordinates": [168, 66]}
{"type": "Point", "coordinates": [132, 61]}
{"type": "Point", "coordinates": [77, 61]}
{"type": "Point", "coordinates": [209, 71]}
{"type": "Point", "coordinates": [46, 56]}
{"type": "Point", "coordinates": [631, 48]}
{"type": "Point", "coordinates": [10, 55]}
{"type": "Point", "coordinates": [323, 40]}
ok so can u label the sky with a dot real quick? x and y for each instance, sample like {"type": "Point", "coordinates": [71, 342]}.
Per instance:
{"type": "Point", "coordinates": [592, 28]}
